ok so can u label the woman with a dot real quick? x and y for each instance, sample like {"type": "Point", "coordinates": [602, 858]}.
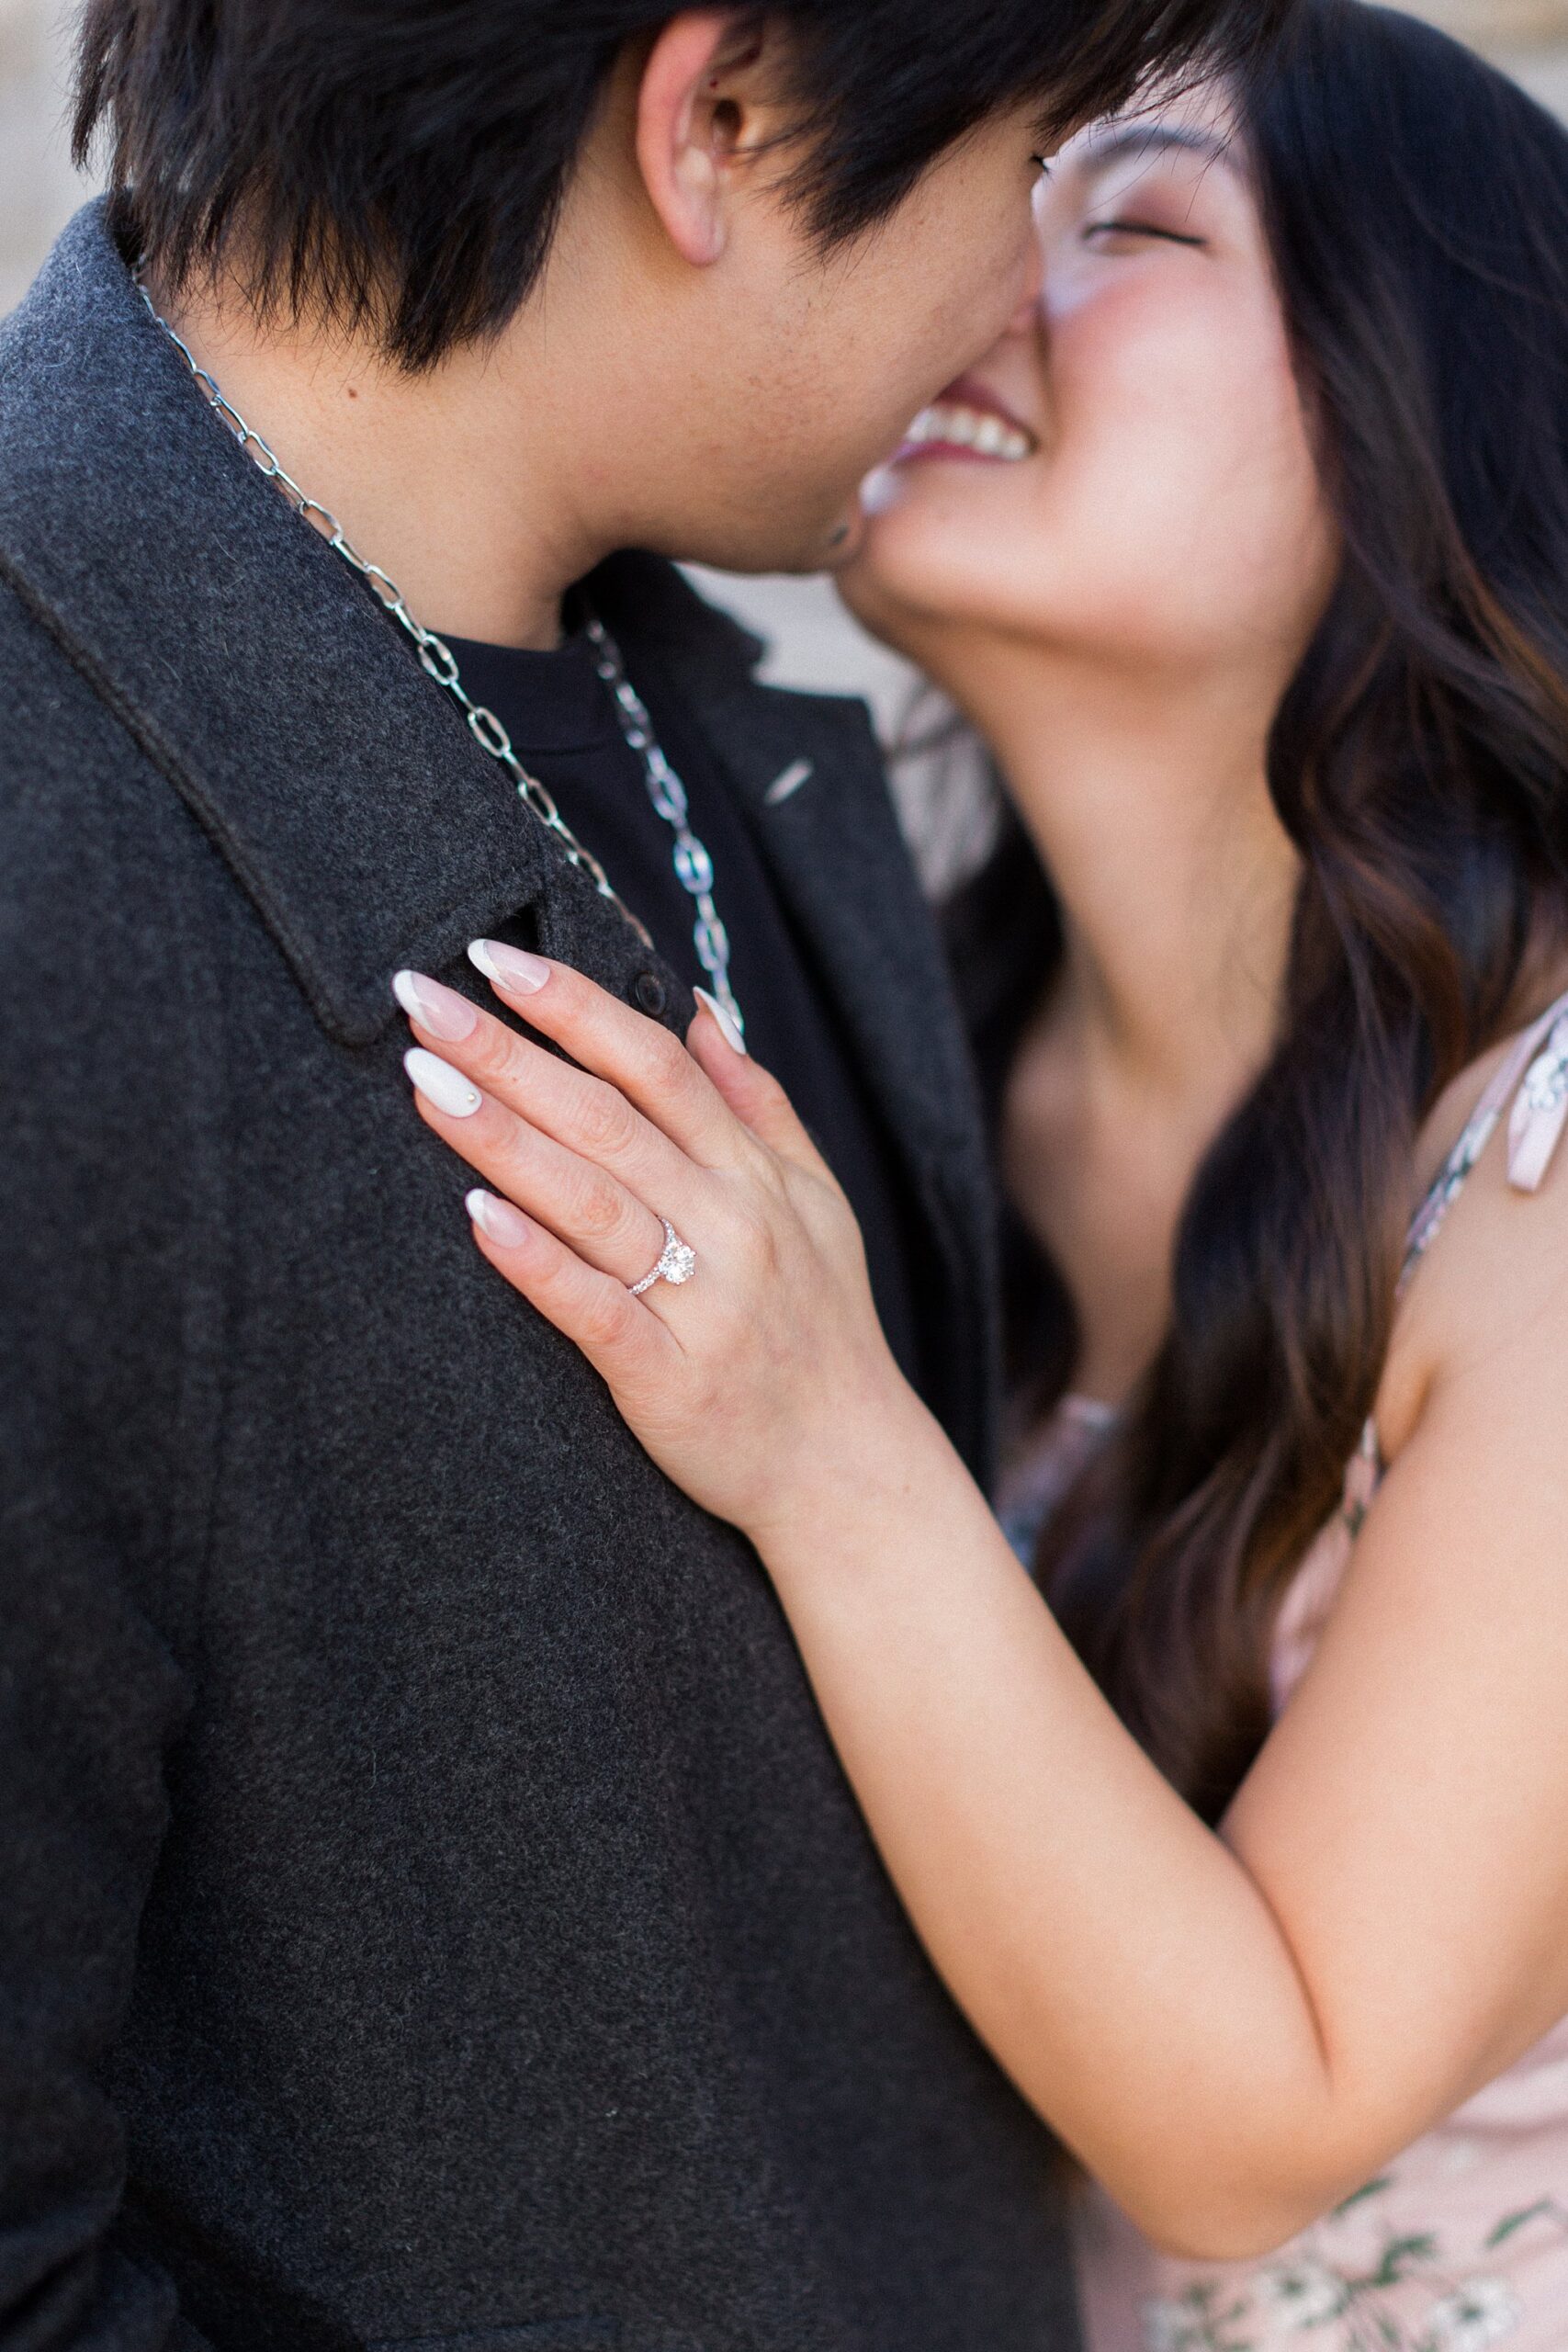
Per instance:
{"type": "Point", "coordinates": [1239, 1834]}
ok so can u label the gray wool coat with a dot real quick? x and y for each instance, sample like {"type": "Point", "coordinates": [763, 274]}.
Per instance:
{"type": "Point", "coordinates": [430, 1913]}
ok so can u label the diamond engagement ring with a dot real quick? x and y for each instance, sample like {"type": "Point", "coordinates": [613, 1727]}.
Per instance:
{"type": "Point", "coordinates": [678, 1265]}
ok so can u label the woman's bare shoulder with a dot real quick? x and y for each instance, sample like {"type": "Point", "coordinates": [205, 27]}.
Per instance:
{"type": "Point", "coordinates": [1489, 1299]}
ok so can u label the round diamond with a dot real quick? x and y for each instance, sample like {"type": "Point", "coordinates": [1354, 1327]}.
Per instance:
{"type": "Point", "coordinates": [678, 1262]}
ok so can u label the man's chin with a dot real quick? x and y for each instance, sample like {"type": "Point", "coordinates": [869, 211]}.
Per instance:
{"type": "Point", "coordinates": [846, 539]}
{"type": "Point", "coordinates": [817, 546]}
{"type": "Point", "coordinates": [828, 546]}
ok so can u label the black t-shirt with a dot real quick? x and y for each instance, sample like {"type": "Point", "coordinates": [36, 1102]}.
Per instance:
{"type": "Point", "coordinates": [563, 723]}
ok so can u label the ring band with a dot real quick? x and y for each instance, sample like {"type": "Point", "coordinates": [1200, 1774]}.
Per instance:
{"type": "Point", "coordinates": [677, 1265]}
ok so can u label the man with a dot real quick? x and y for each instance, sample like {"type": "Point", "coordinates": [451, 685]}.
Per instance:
{"type": "Point", "coordinates": [432, 1913]}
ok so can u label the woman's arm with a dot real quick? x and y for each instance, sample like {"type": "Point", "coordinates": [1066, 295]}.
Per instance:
{"type": "Point", "coordinates": [1232, 2032]}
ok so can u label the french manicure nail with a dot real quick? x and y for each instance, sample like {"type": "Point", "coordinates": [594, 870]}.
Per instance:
{"type": "Point", "coordinates": [497, 1220]}
{"type": "Point", "coordinates": [509, 967]}
{"type": "Point", "coordinates": [725, 1018]}
{"type": "Point", "coordinates": [441, 1084]}
{"type": "Point", "coordinates": [440, 1010]}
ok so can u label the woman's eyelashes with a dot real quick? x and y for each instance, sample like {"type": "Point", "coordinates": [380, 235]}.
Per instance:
{"type": "Point", "coordinates": [1119, 226]}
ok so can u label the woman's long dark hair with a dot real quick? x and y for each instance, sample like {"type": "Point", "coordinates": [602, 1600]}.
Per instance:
{"type": "Point", "coordinates": [1417, 204]}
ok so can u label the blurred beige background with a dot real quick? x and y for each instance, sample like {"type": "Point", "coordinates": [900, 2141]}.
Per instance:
{"type": "Point", "coordinates": [813, 643]}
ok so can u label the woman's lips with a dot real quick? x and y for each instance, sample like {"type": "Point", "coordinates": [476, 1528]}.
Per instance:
{"type": "Point", "coordinates": [967, 421]}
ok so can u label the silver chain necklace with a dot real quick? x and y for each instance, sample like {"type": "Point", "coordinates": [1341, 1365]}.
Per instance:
{"type": "Point", "coordinates": [694, 866]}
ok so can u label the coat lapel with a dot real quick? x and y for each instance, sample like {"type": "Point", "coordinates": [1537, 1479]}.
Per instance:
{"type": "Point", "coordinates": [365, 826]}
{"type": "Point", "coordinates": [809, 772]}
{"type": "Point", "coordinates": [355, 809]}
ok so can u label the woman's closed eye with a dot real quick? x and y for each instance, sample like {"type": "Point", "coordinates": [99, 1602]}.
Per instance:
{"type": "Point", "coordinates": [1120, 225]}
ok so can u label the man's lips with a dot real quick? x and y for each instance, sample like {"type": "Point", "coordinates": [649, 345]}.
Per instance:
{"type": "Point", "coordinates": [968, 421]}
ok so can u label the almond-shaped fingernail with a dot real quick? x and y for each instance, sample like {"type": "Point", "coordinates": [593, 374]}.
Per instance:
{"type": "Point", "coordinates": [509, 967]}
{"type": "Point", "coordinates": [441, 1084]}
{"type": "Point", "coordinates": [729, 1028]}
{"type": "Point", "coordinates": [440, 1010]}
{"type": "Point", "coordinates": [498, 1220]}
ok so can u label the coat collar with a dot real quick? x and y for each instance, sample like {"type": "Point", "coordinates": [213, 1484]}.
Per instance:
{"type": "Point", "coordinates": [365, 826]}
{"type": "Point", "coordinates": [251, 666]}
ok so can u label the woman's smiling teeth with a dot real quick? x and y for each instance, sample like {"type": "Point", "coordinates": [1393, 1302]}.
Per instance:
{"type": "Point", "coordinates": [954, 426]}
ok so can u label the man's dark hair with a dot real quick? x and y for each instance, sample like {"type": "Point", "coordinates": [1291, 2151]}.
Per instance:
{"type": "Point", "coordinates": [402, 162]}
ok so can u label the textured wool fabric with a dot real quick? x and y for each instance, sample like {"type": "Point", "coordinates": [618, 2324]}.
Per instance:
{"type": "Point", "coordinates": [430, 1913]}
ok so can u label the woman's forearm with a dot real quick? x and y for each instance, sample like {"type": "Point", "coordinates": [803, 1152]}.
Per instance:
{"type": "Point", "coordinates": [1111, 1949]}
{"type": "Point", "coordinates": [1232, 2030]}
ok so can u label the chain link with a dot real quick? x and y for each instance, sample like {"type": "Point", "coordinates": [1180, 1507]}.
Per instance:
{"type": "Point", "coordinates": [694, 866]}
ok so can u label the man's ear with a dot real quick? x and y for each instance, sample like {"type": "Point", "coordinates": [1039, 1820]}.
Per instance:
{"type": "Point", "coordinates": [699, 111]}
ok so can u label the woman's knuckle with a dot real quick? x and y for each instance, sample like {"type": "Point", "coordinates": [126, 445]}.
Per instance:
{"type": "Point", "coordinates": [608, 1317]}
{"type": "Point", "coordinates": [600, 1209]}
{"type": "Point", "coordinates": [606, 1121]}
{"type": "Point", "coordinates": [666, 1063]}
{"type": "Point", "coordinates": [756, 1241]}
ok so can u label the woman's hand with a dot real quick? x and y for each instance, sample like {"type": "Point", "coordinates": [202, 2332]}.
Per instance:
{"type": "Point", "coordinates": [1232, 2032]}
{"type": "Point", "coordinates": [751, 1383]}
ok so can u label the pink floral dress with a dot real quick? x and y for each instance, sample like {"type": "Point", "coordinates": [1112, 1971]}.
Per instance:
{"type": "Point", "coordinates": [1462, 2243]}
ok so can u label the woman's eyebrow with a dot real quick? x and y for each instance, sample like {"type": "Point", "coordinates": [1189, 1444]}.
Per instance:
{"type": "Point", "coordinates": [1122, 140]}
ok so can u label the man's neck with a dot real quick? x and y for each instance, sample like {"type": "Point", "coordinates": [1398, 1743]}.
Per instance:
{"type": "Point", "coordinates": [461, 484]}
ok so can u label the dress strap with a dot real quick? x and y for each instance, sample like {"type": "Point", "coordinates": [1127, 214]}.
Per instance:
{"type": "Point", "coordinates": [1535, 1073]}
{"type": "Point", "coordinates": [1538, 1060]}
{"type": "Point", "coordinates": [1540, 1109]}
